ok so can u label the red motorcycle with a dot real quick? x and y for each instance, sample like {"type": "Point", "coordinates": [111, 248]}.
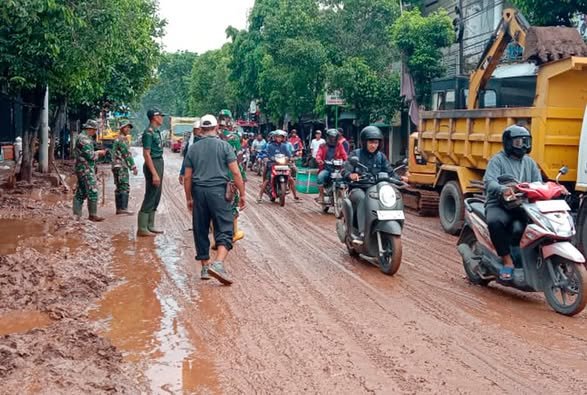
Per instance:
{"type": "Point", "coordinates": [278, 183]}
{"type": "Point", "coordinates": [544, 258]}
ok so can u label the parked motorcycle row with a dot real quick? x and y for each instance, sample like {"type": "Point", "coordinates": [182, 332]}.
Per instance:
{"type": "Point", "coordinates": [545, 259]}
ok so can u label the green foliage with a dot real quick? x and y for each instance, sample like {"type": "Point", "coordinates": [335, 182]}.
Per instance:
{"type": "Point", "coordinates": [210, 88]}
{"type": "Point", "coordinates": [551, 12]}
{"type": "Point", "coordinates": [420, 40]}
{"type": "Point", "coordinates": [374, 96]}
{"type": "Point", "coordinates": [87, 50]}
{"type": "Point", "coordinates": [171, 93]}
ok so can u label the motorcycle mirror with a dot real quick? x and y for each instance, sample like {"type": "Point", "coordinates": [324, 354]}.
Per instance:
{"type": "Point", "coordinates": [405, 162]}
{"type": "Point", "coordinates": [564, 170]}
{"type": "Point", "coordinates": [353, 160]}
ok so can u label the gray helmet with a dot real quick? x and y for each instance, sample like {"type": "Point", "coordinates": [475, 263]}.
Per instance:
{"type": "Point", "coordinates": [516, 132]}
{"type": "Point", "coordinates": [332, 133]}
{"type": "Point", "coordinates": [371, 133]}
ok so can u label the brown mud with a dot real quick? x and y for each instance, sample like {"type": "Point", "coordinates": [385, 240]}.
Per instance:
{"type": "Point", "coordinates": [52, 269]}
{"type": "Point", "coordinates": [304, 317]}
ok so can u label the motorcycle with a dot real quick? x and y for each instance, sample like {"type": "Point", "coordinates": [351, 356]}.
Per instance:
{"type": "Point", "coordinates": [258, 162]}
{"type": "Point", "coordinates": [335, 189]}
{"type": "Point", "coordinates": [279, 181]}
{"type": "Point", "coordinates": [384, 217]}
{"type": "Point", "coordinates": [544, 258]}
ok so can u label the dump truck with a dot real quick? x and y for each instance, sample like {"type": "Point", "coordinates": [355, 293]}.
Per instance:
{"type": "Point", "coordinates": [449, 153]}
{"type": "Point", "coordinates": [179, 127]}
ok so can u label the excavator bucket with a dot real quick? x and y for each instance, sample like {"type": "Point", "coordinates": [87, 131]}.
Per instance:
{"type": "Point", "coordinates": [546, 44]}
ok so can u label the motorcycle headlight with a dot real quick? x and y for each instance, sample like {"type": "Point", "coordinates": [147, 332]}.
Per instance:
{"type": "Point", "coordinates": [387, 196]}
{"type": "Point", "coordinates": [281, 159]}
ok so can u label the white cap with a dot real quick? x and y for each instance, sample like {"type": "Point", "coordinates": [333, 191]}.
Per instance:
{"type": "Point", "coordinates": [208, 121]}
{"type": "Point", "coordinates": [197, 123]}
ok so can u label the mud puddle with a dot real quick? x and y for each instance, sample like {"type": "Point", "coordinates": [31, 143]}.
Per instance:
{"type": "Point", "coordinates": [141, 317]}
{"type": "Point", "coordinates": [42, 235]}
{"type": "Point", "coordinates": [23, 321]}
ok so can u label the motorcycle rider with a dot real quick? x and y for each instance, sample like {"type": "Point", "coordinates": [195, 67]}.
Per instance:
{"type": "Point", "coordinates": [371, 157]}
{"type": "Point", "coordinates": [258, 145]}
{"type": "Point", "coordinates": [296, 142]}
{"type": "Point", "coordinates": [333, 149]}
{"type": "Point", "coordinates": [277, 146]}
{"type": "Point", "coordinates": [511, 161]}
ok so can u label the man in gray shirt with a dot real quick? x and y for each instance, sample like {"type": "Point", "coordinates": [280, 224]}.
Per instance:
{"type": "Point", "coordinates": [514, 162]}
{"type": "Point", "coordinates": [207, 165]}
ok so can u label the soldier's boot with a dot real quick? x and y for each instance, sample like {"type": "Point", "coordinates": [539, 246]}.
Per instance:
{"type": "Point", "coordinates": [124, 204]}
{"type": "Point", "coordinates": [236, 233]}
{"type": "Point", "coordinates": [152, 227]}
{"type": "Point", "coordinates": [78, 206]}
{"type": "Point", "coordinates": [118, 201]}
{"type": "Point", "coordinates": [143, 229]}
{"type": "Point", "coordinates": [93, 209]}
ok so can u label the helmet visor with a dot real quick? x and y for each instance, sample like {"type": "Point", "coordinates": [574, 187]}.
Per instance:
{"type": "Point", "coordinates": [522, 142]}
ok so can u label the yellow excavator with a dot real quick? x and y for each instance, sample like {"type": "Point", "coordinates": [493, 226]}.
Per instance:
{"type": "Point", "coordinates": [448, 155]}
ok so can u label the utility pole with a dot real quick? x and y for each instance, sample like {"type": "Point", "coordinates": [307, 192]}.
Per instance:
{"type": "Point", "coordinates": [461, 41]}
{"type": "Point", "coordinates": [44, 143]}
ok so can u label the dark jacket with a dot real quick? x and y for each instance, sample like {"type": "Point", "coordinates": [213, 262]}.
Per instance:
{"type": "Point", "coordinates": [376, 163]}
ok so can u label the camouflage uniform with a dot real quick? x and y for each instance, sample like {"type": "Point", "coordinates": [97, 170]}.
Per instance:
{"type": "Point", "coordinates": [85, 169]}
{"type": "Point", "coordinates": [122, 161]}
{"type": "Point", "coordinates": [234, 140]}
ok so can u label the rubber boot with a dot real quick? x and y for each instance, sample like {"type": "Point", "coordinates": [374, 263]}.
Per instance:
{"type": "Point", "coordinates": [152, 227]}
{"type": "Point", "coordinates": [236, 233]}
{"type": "Point", "coordinates": [143, 225]}
{"type": "Point", "coordinates": [124, 204]}
{"type": "Point", "coordinates": [78, 206]}
{"type": "Point", "coordinates": [93, 209]}
{"type": "Point", "coordinates": [118, 202]}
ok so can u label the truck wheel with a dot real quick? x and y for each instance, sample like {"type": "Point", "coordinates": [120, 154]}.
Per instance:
{"type": "Point", "coordinates": [451, 208]}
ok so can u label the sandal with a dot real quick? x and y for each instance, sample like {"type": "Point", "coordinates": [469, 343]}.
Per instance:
{"type": "Point", "coordinates": [259, 200]}
{"type": "Point", "coordinates": [506, 273]}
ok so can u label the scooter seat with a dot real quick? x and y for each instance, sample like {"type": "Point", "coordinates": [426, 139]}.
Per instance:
{"type": "Point", "coordinates": [479, 209]}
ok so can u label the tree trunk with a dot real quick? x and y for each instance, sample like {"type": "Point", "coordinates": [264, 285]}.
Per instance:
{"type": "Point", "coordinates": [32, 120]}
{"type": "Point", "coordinates": [58, 123]}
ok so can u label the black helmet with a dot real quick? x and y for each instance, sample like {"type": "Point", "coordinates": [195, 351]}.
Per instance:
{"type": "Point", "coordinates": [370, 133]}
{"type": "Point", "coordinates": [522, 147]}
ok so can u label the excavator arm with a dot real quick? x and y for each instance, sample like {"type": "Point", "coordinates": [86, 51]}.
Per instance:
{"type": "Point", "coordinates": [512, 27]}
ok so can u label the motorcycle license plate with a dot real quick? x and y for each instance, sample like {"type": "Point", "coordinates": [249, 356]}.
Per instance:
{"type": "Point", "coordinates": [281, 168]}
{"type": "Point", "coordinates": [386, 215]}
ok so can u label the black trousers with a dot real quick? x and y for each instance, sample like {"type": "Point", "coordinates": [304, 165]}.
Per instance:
{"type": "Point", "coordinates": [211, 205]}
{"type": "Point", "coordinates": [499, 222]}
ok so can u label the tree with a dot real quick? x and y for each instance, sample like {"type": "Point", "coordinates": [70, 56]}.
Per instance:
{"type": "Point", "coordinates": [171, 93]}
{"type": "Point", "coordinates": [85, 51]}
{"type": "Point", "coordinates": [551, 12]}
{"type": "Point", "coordinates": [373, 95]}
{"type": "Point", "coordinates": [210, 88]}
{"type": "Point", "coordinates": [420, 40]}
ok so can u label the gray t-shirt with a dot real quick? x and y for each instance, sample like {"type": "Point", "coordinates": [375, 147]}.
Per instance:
{"type": "Point", "coordinates": [209, 159]}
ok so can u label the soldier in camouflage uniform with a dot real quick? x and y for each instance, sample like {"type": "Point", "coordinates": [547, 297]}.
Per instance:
{"type": "Point", "coordinates": [85, 170]}
{"type": "Point", "coordinates": [233, 138]}
{"type": "Point", "coordinates": [122, 161]}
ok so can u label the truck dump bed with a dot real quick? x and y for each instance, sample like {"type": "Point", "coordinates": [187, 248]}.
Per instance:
{"type": "Point", "coordinates": [469, 138]}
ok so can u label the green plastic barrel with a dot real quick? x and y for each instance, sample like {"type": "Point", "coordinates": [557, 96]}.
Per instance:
{"type": "Point", "coordinates": [306, 181]}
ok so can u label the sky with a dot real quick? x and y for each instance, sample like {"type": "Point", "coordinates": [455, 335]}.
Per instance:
{"type": "Point", "coordinates": [199, 25]}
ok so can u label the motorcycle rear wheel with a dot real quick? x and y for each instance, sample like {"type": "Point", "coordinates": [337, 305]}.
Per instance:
{"type": "Point", "coordinates": [391, 261]}
{"type": "Point", "coordinates": [474, 278]}
{"type": "Point", "coordinates": [575, 275]}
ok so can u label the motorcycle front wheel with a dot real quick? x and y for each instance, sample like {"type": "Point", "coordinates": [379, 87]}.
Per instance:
{"type": "Point", "coordinates": [282, 193]}
{"type": "Point", "coordinates": [565, 288]}
{"type": "Point", "coordinates": [390, 261]}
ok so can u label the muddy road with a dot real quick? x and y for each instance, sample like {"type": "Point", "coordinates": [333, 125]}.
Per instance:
{"type": "Point", "coordinates": [304, 317]}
